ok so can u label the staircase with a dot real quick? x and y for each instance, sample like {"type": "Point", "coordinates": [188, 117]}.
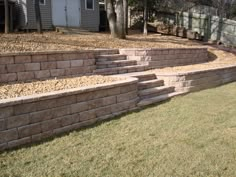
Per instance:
{"type": "Point", "coordinates": [117, 64]}
{"type": "Point", "coordinates": [152, 90]}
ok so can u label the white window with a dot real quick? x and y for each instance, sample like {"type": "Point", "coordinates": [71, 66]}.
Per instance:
{"type": "Point", "coordinates": [89, 4]}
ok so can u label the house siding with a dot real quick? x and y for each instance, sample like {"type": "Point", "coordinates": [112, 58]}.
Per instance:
{"type": "Point", "coordinates": [21, 11]}
{"type": "Point", "coordinates": [26, 15]}
{"type": "Point", "coordinates": [46, 15]}
{"type": "Point", "coordinates": [90, 19]}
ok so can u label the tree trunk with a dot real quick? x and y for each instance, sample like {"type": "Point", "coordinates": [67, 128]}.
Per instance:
{"type": "Point", "coordinates": [145, 18]}
{"type": "Point", "coordinates": [116, 18]}
{"type": "Point", "coordinates": [6, 8]}
{"type": "Point", "coordinates": [125, 4]}
{"type": "Point", "coordinates": [38, 16]}
{"type": "Point", "coordinates": [120, 20]}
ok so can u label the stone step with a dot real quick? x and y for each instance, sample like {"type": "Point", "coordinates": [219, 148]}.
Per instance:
{"type": "Point", "coordinates": [112, 57]}
{"type": "Point", "coordinates": [71, 30]}
{"type": "Point", "coordinates": [157, 99]}
{"type": "Point", "coordinates": [106, 52]}
{"type": "Point", "coordinates": [150, 84]}
{"type": "Point", "coordinates": [116, 63]}
{"type": "Point", "coordinates": [142, 76]}
{"type": "Point", "coordinates": [157, 91]}
{"type": "Point", "coordinates": [120, 70]}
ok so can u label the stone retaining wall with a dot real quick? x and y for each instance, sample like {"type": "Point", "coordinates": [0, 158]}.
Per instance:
{"type": "Point", "coordinates": [199, 80]}
{"type": "Point", "coordinates": [43, 65]}
{"type": "Point", "coordinates": [160, 58]}
{"type": "Point", "coordinates": [32, 118]}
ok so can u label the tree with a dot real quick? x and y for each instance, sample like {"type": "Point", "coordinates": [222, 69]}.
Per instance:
{"type": "Point", "coordinates": [6, 8]}
{"type": "Point", "coordinates": [38, 16]}
{"type": "Point", "coordinates": [125, 4]}
{"type": "Point", "coordinates": [145, 18]}
{"type": "Point", "coordinates": [115, 16]}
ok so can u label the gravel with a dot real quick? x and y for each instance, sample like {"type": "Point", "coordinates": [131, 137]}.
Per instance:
{"type": "Point", "coordinates": [36, 87]}
{"type": "Point", "coordinates": [52, 41]}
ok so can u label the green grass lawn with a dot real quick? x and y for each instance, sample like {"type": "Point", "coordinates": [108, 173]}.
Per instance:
{"type": "Point", "coordinates": [192, 135]}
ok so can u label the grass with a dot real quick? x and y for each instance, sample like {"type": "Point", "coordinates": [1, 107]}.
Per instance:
{"type": "Point", "coordinates": [192, 135]}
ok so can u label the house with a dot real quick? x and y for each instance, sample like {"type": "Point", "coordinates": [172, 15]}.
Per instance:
{"type": "Point", "coordinates": [59, 13]}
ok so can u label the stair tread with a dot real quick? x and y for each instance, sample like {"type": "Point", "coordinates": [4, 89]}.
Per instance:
{"type": "Point", "coordinates": [119, 68]}
{"type": "Point", "coordinates": [110, 56]}
{"type": "Point", "coordinates": [137, 74]}
{"type": "Point", "coordinates": [153, 90]}
{"type": "Point", "coordinates": [160, 98]}
{"type": "Point", "coordinates": [150, 81]}
{"type": "Point", "coordinates": [115, 62]}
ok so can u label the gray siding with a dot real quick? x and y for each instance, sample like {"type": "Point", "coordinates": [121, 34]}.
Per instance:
{"type": "Point", "coordinates": [26, 16]}
{"type": "Point", "coordinates": [46, 15]}
{"type": "Point", "coordinates": [90, 19]}
{"type": "Point", "coordinates": [21, 14]}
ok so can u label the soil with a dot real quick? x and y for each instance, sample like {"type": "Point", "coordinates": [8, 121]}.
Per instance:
{"type": "Point", "coordinates": [36, 87]}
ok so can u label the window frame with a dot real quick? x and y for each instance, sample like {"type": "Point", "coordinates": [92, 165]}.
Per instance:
{"type": "Point", "coordinates": [86, 7]}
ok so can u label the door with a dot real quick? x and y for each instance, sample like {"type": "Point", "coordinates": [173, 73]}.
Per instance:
{"type": "Point", "coordinates": [66, 13]}
{"type": "Point", "coordinates": [73, 13]}
{"type": "Point", "coordinates": [58, 12]}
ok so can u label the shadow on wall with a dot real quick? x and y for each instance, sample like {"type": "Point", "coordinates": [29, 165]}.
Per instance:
{"type": "Point", "coordinates": [211, 56]}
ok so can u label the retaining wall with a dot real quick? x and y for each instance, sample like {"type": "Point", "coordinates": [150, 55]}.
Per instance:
{"type": "Point", "coordinates": [199, 80]}
{"type": "Point", "coordinates": [32, 118]}
{"type": "Point", "coordinates": [43, 65]}
{"type": "Point", "coordinates": [160, 58]}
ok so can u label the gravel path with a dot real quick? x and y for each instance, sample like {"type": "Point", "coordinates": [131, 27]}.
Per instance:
{"type": "Point", "coordinates": [23, 89]}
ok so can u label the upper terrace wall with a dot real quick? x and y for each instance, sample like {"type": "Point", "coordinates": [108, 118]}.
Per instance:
{"type": "Point", "coordinates": [160, 58]}
{"type": "Point", "coordinates": [43, 65]}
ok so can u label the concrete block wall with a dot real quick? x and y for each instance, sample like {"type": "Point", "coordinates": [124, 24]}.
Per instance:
{"type": "Point", "coordinates": [43, 65]}
{"type": "Point", "coordinates": [32, 118]}
{"type": "Point", "coordinates": [199, 80]}
{"type": "Point", "coordinates": [160, 58]}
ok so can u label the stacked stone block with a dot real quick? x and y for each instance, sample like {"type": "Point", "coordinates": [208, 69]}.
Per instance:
{"type": "Point", "coordinates": [160, 58]}
{"type": "Point", "coordinates": [199, 80]}
{"type": "Point", "coordinates": [43, 65]}
{"type": "Point", "coordinates": [32, 118]}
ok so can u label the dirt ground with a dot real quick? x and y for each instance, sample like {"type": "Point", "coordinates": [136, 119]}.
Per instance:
{"type": "Point", "coordinates": [49, 41]}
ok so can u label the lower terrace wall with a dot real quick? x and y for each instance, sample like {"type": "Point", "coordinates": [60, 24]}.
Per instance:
{"type": "Point", "coordinates": [199, 80]}
{"type": "Point", "coordinates": [160, 58]}
{"type": "Point", "coordinates": [32, 118]}
{"type": "Point", "coordinates": [43, 65]}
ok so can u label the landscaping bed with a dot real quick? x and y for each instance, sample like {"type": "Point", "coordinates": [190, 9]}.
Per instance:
{"type": "Point", "coordinates": [18, 89]}
{"type": "Point", "coordinates": [51, 41]}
